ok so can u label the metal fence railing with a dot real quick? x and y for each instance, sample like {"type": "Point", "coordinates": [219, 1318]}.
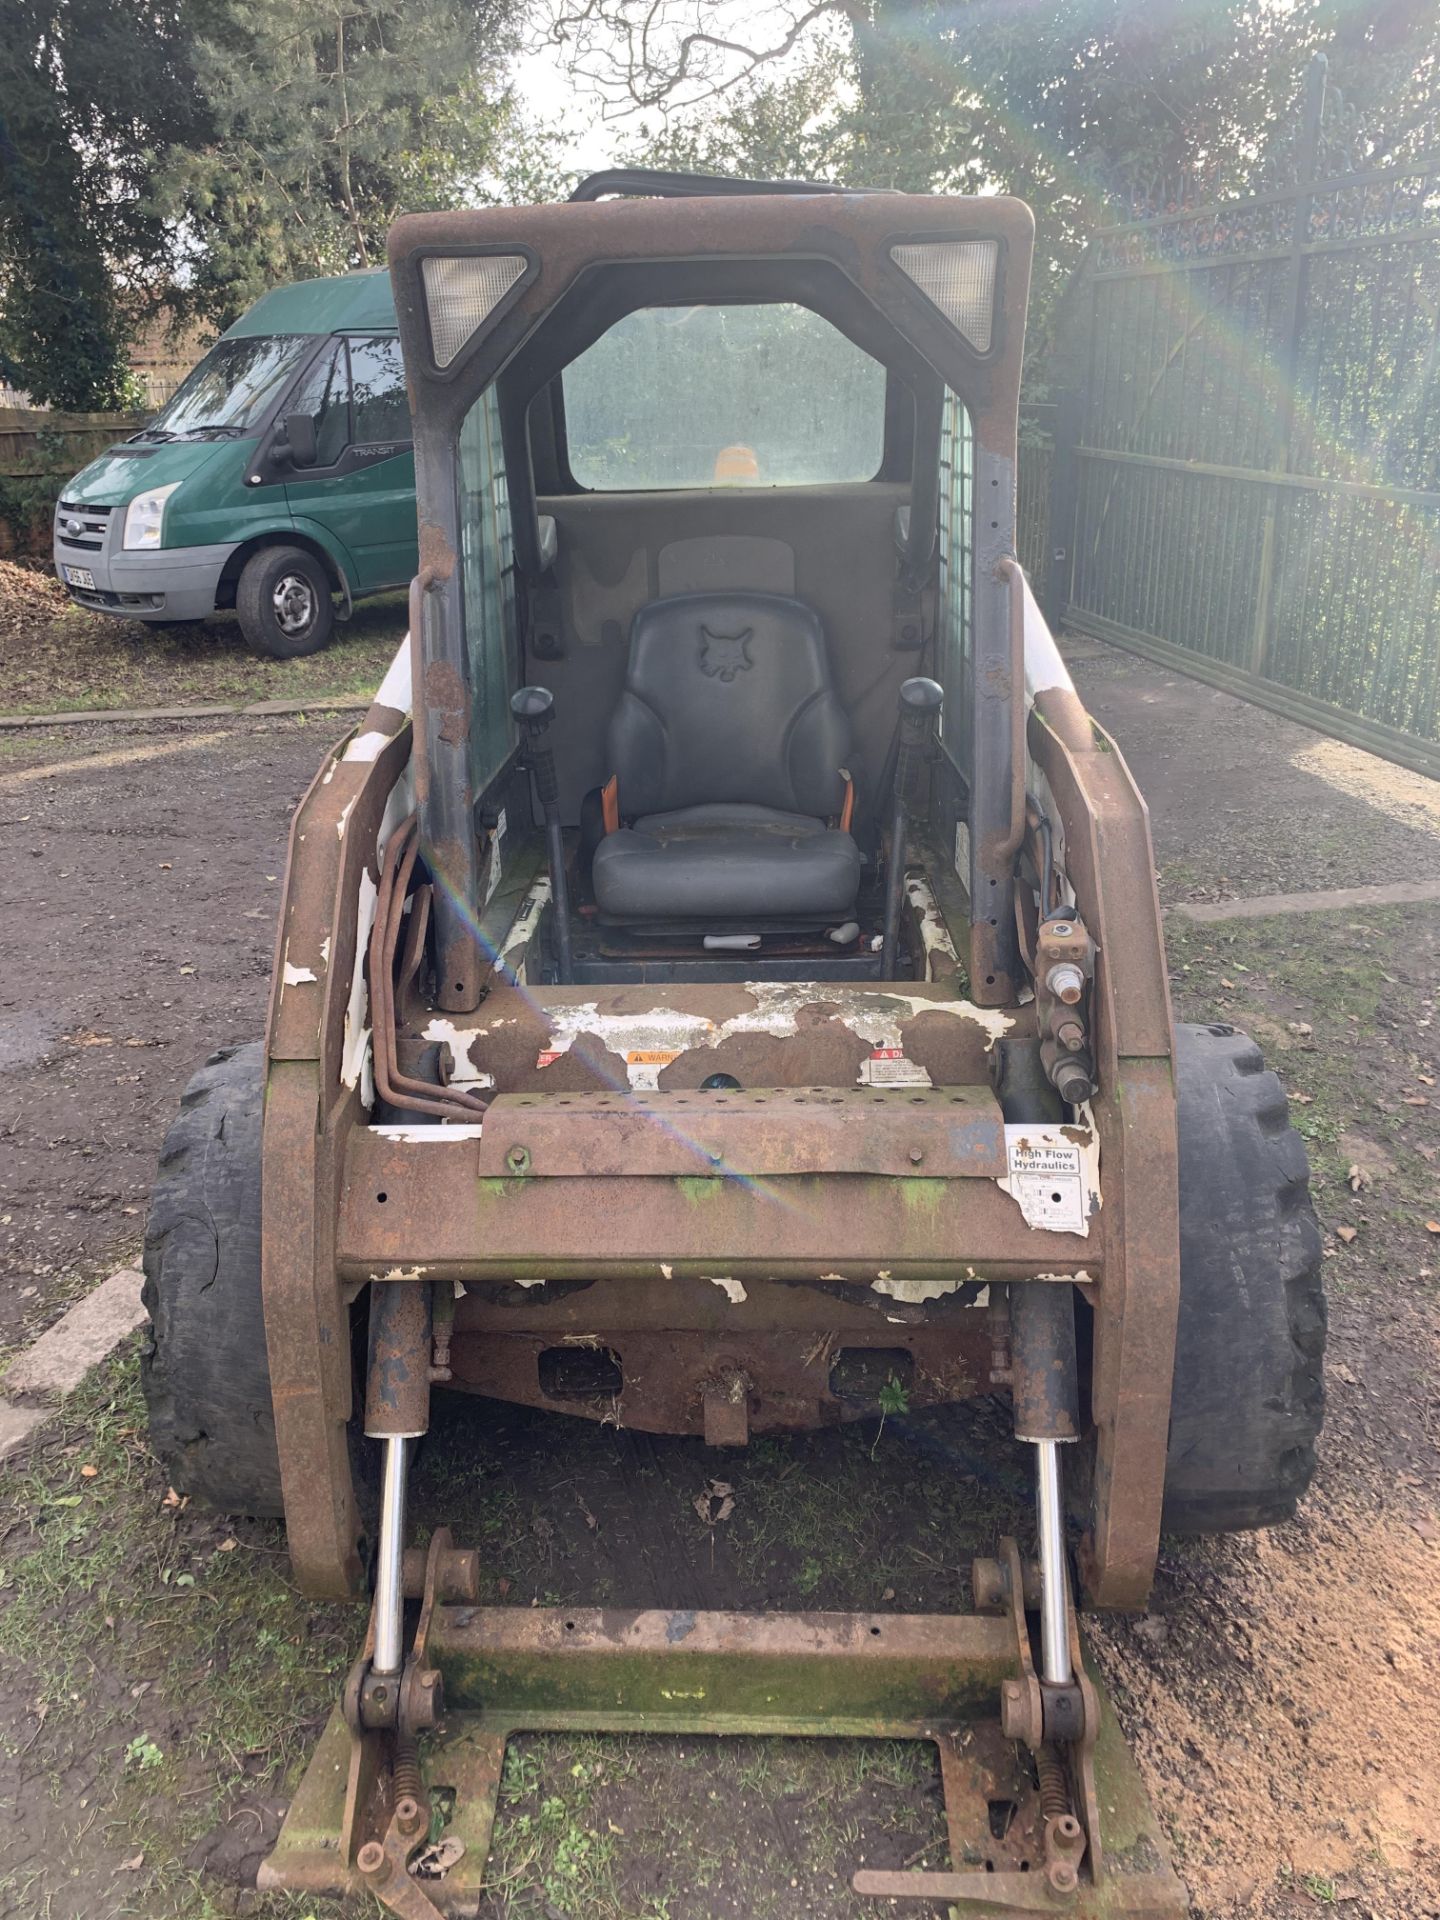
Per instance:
{"type": "Point", "coordinates": [1247, 468]}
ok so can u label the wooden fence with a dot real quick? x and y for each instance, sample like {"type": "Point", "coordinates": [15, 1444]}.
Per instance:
{"type": "Point", "coordinates": [39, 452]}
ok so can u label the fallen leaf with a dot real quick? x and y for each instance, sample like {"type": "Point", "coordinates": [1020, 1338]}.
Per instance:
{"type": "Point", "coordinates": [177, 1501]}
{"type": "Point", "coordinates": [1432, 1226]}
{"type": "Point", "coordinates": [89, 1473]}
{"type": "Point", "coordinates": [1227, 983]}
{"type": "Point", "coordinates": [132, 1865]}
{"type": "Point", "coordinates": [1302, 1027]}
{"type": "Point", "coordinates": [1359, 1179]}
{"type": "Point", "coordinates": [715, 1502]}
{"type": "Point", "coordinates": [438, 1857]}
{"type": "Point", "coordinates": [1426, 1079]}
{"type": "Point", "coordinates": [1347, 1234]}
{"type": "Point", "coordinates": [1302, 1099]}
{"type": "Point", "coordinates": [228, 1545]}
{"type": "Point", "coordinates": [1414, 1100]}
{"type": "Point", "coordinates": [166, 865]}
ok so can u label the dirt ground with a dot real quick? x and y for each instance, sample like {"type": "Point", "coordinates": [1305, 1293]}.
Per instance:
{"type": "Point", "coordinates": [160, 1680]}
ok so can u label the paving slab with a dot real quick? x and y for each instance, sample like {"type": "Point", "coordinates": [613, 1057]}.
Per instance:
{"type": "Point", "coordinates": [16, 1426]}
{"type": "Point", "coordinates": [81, 1339]}
{"type": "Point", "coordinates": [1399, 893]}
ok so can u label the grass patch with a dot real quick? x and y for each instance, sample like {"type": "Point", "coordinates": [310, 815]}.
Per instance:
{"type": "Point", "coordinates": [164, 1652]}
{"type": "Point", "coordinates": [60, 658]}
{"type": "Point", "coordinates": [1344, 1008]}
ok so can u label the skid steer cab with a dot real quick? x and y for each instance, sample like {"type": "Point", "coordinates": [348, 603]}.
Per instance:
{"type": "Point", "coordinates": [723, 974]}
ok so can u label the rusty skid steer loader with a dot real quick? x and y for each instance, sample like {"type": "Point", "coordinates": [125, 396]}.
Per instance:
{"type": "Point", "coordinates": [727, 940]}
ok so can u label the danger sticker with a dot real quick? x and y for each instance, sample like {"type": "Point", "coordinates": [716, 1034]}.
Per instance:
{"type": "Point", "coordinates": [1047, 1177]}
{"type": "Point", "coordinates": [889, 1067]}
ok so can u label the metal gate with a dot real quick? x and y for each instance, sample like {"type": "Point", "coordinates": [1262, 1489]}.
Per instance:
{"type": "Point", "coordinates": [1246, 470]}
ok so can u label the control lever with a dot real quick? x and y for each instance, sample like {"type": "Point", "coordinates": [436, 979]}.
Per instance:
{"type": "Point", "coordinates": [920, 704]}
{"type": "Point", "coordinates": [534, 709]}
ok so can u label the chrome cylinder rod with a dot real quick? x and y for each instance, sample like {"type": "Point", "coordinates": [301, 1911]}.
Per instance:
{"type": "Point", "coordinates": [389, 1654]}
{"type": "Point", "coordinates": [1050, 1513]}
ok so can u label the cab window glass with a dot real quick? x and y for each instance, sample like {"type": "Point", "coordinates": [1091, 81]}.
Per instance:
{"type": "Point", "coordinates": [487, 571]}
{"type": "Point", "coordinates": [377, 380]}
{"type": "Point", "coordinates": [957, 575]}
{"type": "Point", "coordinates": [767, 396]}
{"type": "Point", "coordinates": [324, 393]}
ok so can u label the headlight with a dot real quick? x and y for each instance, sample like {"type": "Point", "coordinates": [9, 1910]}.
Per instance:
{"type": "Point", "coordinates": [145, 516]}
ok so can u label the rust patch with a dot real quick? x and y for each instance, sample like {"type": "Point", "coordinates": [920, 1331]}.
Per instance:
{"type": "Point", "coordinates": [448, 701]}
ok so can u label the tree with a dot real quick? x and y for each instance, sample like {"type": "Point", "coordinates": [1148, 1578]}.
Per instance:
{"type": "Point", "coordinates": [329, 118]}
{"type": "Point", "coordinates": [1076, 105]}
{"type": "Point", "coordinates": [88, 91]}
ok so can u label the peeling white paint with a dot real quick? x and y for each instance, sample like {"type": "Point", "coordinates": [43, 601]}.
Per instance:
{"type": "Point", "coordinates": [914, 1292]}
{"type": "Point", "coordinates": [941, 959]}
{"type": "Point", "coordinates": [325, 951]}
{"type": "Point", "coordinates": [298, 976]}
{"type": "Point", "coordinates": [1080, 1278]}
{"type": "Point", "coordinates": [420, 1133]}
{"type": "Point", "coordinates": [667, 1270]}
{"type": "Point", "coordinates": [1054, 1175]}
{"type": "Point", "coordinates": [734, 1290]}
{"type": "Point", "coordinates": [405, 1273]}
{"type": "Point", "coordinates": [368, 746]}
{"type": "Point", "coordinates": [463, 1071]}
{"type": "Point", "coordinates": [874, 1015]}
{"type": "Point", "coordinates": [356, 1065]}
{"type": "Point", "coordinates": [530, 1283]}
{"type": "Point", "coordinates": [834, 1276]}
{"type": "Point", "coordinates": [345, 812]}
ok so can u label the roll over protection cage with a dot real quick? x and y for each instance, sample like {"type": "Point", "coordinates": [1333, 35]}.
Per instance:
{"type": "Point", "coordinates": [828, 250]}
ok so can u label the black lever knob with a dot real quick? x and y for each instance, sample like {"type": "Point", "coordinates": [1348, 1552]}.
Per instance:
{"type": "Point", "coordinates": [534, 708]}
{"type": "Point", "coordinates": [920, 704]}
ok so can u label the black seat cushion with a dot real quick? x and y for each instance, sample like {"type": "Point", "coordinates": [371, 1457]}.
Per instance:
{"type": "Point", "coordinates": [729, 862]}
{"type": "Point", "coordinates": [730, 745]}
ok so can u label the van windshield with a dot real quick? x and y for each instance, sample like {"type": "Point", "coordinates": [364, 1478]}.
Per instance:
{"type": "Point", "coordinates": [230, 390]}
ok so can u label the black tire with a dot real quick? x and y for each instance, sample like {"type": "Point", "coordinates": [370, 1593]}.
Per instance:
{"type": "Point", "coordinates": [1249, 1394]}
{"type": "Point", "coordinates": [204, 1369]}
{"type": "Point", "coordinates": [277, 578]}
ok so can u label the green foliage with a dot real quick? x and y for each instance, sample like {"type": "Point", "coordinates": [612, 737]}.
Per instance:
{"type": "Point", "coordinates": [191, 154]}
{"type": "Point", "coordinates": [1062, 102]}
{"type": "Point", "coordinates": [327, 121]}
{"type": "Point", "coordinates": [88, 89]}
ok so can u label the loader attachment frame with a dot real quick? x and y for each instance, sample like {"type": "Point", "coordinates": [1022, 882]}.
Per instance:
{"type": "Point", "coordinates": [966, 1683]}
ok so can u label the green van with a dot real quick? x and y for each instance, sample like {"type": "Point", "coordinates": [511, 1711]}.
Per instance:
{"type": "Point", "coordinates": [279, 481]}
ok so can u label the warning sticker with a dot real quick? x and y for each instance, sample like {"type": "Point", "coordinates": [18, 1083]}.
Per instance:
{"type": "Point", "coordinates": [1047, 1177]}
{"type": "Point", "coordinates": [548, 1057]}
{"type": "Point", "coordinates": [643, 1064]}
{"type": "Point", "coordinates": [888, 1067]}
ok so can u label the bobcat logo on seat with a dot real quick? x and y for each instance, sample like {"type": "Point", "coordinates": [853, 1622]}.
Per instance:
{"type": "Point", "coordinates": [723, 655]}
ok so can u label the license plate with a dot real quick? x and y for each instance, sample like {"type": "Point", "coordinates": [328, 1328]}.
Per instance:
{"type": "Point", "coordinates": [80, 577]}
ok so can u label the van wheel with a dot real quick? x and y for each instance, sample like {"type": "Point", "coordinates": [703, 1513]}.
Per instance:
{"type": "Point", "coordinates": [283, 600]}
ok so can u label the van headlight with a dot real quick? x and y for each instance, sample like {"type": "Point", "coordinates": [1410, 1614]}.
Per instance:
{"type": "Point", "coordinates": [145, 516]}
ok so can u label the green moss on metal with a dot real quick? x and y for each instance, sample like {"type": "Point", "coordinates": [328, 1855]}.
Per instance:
{"type": "Point", "coordinates": [695, 1190]}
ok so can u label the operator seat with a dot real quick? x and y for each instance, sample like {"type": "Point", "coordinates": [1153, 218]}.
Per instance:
{"type": "Point", "coordinates": [728, 748]}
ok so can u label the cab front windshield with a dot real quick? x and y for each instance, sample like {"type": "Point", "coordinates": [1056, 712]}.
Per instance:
{"type": "Point", "coordinates": [231, 389]}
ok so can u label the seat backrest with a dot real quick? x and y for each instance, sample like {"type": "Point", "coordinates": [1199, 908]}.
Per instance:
{"type": "Point", "coordinates": [728, 698]}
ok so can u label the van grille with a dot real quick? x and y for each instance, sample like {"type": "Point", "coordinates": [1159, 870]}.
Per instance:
{"type": "Point", "coordinates": [81, 529]}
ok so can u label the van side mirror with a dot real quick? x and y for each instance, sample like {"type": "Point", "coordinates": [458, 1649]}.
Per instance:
{"type": "Point", "coordinates": [301, 439]}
